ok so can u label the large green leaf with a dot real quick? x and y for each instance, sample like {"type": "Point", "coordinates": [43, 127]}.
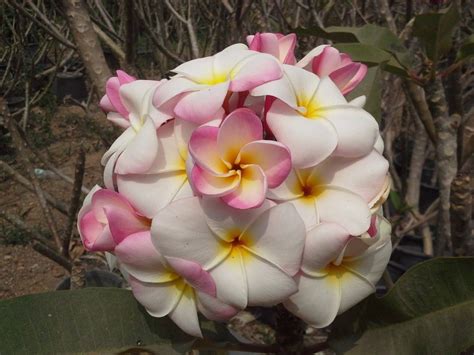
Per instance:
{"type": "Point", "coordinates": [102, 320]}
{"type": "Point", "coordinates": [370, 87]}
{"type": "Point", "coordinates": [430, 310]}
{"type": "Point", "coordinates": [435, 31]}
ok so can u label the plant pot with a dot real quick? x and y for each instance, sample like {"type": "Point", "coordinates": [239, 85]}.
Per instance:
{"type": "Point", "coordinates": [70, 84]}
{"type": "Point", "coordinates": [95, 278]}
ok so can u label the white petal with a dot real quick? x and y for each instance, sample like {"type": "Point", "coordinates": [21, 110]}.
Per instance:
{"type": "Point", "coordinates": [269, 237]}
{"type": "Point", "coordinates": [119, 144]}
{"type": "Point", "coordinates": [185, 313]}
{"type": "Point", "coordinates": [288, 190]}
{"type": "Point", "coordinates": [354, 289]}
{"type": "Point", "coordinates": [328, 94]}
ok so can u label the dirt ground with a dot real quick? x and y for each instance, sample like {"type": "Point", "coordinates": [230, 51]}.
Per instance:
{"type": "Point", "coordinates": [22, 269]}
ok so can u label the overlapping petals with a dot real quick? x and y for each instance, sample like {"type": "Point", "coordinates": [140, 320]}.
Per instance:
{"type": "Point", "coordinates": [247, 252]}
{"type": "Point", "coordinates": [106, 218]}
{"type": "Point", "coordinates": [332, 279]}
{"type": "Point", "coordinates": [312, 117]}
{"type": "Point", "coordinates": [203, 84]}
{"type": "Point", "coordinates": [280, 46]}
{"type": "Point", "coordinates": [328, 61]}
{"type": "Point", "coordinates": [235, 163]}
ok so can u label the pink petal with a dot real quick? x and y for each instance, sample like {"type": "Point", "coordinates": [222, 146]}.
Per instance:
{"type": "Point", "coordinates": [239, 128]}
{"type": "Point", "coordinates": [202, 106]}
{"type": "Point", "coordinates": [287, 46]}
{"type": "Point", "coordinates": [203, 147]}
{"type": "Point", "coordinates": [194, 275]}
{"type": "Point", "coordinates": [124, 78]}
{"type": "Point", "coordinates": [103, 199]}
{"type": "Point", "coordinates": [141, 260]}
{"type": "Point", "coordinates": [214, 309]}
{"type": "Point", "coordinates": [106, 105]}
{"type": "Point", "coordinates": [95, 235]}
{"type": "Point", "coordinates": [251, 191]}
{"type": "Point", "coordinates": [273, 157]}
{"type": "Point", "coordinates": [122, 223]}
{"type": "Point", "coordinates": [211, 185]}
{"type": "Point", "coordinates": [269, 44]}
{"type": "Point", "coordinates": [349, 76]}
{"type": "Point", "coordinates": [112, 89]}
{"type": "Point", "coordinates": [328, 61]}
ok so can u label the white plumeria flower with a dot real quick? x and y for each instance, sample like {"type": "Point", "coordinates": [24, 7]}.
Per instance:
{"type": "Point", "coordinates": [338, 190]}
{"type": "Point", "coordinates": [248, 253]}
{"type": "Point", "coordinates": [337, 272]}
{"type": "Point", "coordinates": [166, 179]}
{"type": "Point", "coordinates": [202, 84]}
{"type": "Point", "coordinates": [135, 149]}
{"type": "Point", "coordinates": [176, 288]}
{"type": "Point", "coordinates": [312, 118]}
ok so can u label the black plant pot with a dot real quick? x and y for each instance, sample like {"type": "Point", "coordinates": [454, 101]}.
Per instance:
{"type": "Point", "coordinates": [70, 84]}
{"type": "Point", "coordinates": [95, 278]}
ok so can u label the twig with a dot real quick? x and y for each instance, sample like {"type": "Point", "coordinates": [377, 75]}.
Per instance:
{"type": "Point", "coordinates": [53, 255]}
{"type": "Point", "coordinates": [20, 146]}
{"type": "Point", "coordinates": [59, 205]}
{"type": "Point", "coordinates": [75, 200]}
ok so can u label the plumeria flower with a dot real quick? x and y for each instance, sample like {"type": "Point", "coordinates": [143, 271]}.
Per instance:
{"type": "Point", "coordinates": [235, 163]}
{"type": "Point", "coordinates": [328, 61]}
{"type": "Point", "coordinates": [338, 190]}
{"type": "Point", "coordinates": [312, 118]}
{"type": "Point", "coordinates": [135, 149]}
{"type": "Point", "coordinates": [248, 253]}
{"type": "Point", "coordinates": [174, 287]}
{"type": "Point", "coordinates": [337, 272]}
{"type": "Point", "coordinates": [280, 46]}
{"type": "Point", "coordinates": [111, 102]}
{"type": "Point", "coordinates": [207, 81]}
{"type": "Point", "coordinates": [106, 218]}
{"type": "Point", "coordinates": [166, 179]}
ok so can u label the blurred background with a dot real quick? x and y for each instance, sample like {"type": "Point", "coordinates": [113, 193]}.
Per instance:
{"type": "Point", "coordinates": [55, 57]}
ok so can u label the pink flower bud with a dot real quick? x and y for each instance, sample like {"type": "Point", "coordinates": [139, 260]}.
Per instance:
{"type": "Point", "coordinates": [280, 46]}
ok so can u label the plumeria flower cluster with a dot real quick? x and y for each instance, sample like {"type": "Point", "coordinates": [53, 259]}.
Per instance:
{"type": "Point", "coordinates": [247, 179]}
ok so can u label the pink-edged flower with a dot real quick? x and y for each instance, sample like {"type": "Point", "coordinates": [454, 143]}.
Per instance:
{"type": "Point", "coordinates": [328, 61]}
{"type": "Point", "coordinates": [106, 218]}
{"type": "Point", "coordinates": [248, 253]}
{"type": "Point", "coordinates": [338, 271]}
{"type": "Point", "coordinates": [280, 46]}
{"type": "Point", "coordinates": [338, 190]}
{"type": "Point", "coordinates": [171, 287]}
{"type": "Point", "coordinates": [111, 102]}
{"type": "Point", "coordinates": [202, 84]}
{"type": "Point", "coordinates": [235, 163]}
{"type": "Point", "coordinates": [314, 120]}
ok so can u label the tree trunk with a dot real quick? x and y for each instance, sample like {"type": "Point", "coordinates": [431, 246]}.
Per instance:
{"type": "Point", "coordinates": [87, 43]}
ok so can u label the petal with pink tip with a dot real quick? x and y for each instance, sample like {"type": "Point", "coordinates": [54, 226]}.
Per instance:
{"type": "Point", "coordinates": [287, 46]}
{"type": "Point", "coordinates": [356, 129]}
{"type": "Point", "coordinates": [273, 157]}
{"type": "Point", "coordinates": [203, 147]}
{"type": "Point", "coordinates": [227, 61]}
{"type": "Point", "coordinates": [268, 285]}
{"type": "Point", "coordinates": [323, 245]}
{"type": "Point", "coordinates": [103, 199]}
{"type": "Point", "coordinates": [140, 153]}
{"type": "Point", "coordinates": [194, 275]}
{"type": "Point", "coordinates": [348, 77]}
{"type": "Point", "coordinates": [211, 185]}
{"type": "Point", "coordinates": [230, 279]}
{"type": "Point", "coordinates": [240, 127]}
{"type": "Point", "coordinates": [106, 105]}
{"type": "Point", "coordinates": [265, 43]}
{"type": "Point", "coordinates": [203, 105]}
{"type": "Point", "coordinates": [159, 299]}
{"type": "Point", "coordinates": [345, 208]}
{"type": "Point", "coordinates": [326, 62]}
{"type": "Point", "coordinates": [251, 191]}
{"type": "Point", "coordinates": [122, 223]}
{"type": "Point", "coordinates": [124, 78]}
{"type": "Point", "coordinates": [150, 193]}
{"type": "Point", "coordinates": [95, 236]}
{"type": "Point", "coordinates": [310, 141]}
{"type": "Point", "coordinates": [185, 313]}
{"type": "Point", "coordinates": [307, 60]}
{"type": "Point", "coordinates": [268, 237]}
{"type": "Point", "coordinates": [364, 176]}
{"type": "Point", "coordinates": [181, 231]}
{"type": "Point", "coordinates": [257, 70]}
{"type": "Point", "coordinates": [317, 300]}
{"type": "Point", "coordinates": [112, 88]}
{"type": "Point", "coordinates": [227, 222]}
{"type": "Point", "coordinates": [139, 257]}
{"type": "Point", "coordinates": [214, 309]}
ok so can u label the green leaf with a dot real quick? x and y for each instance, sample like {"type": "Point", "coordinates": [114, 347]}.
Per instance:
{"type": "Point", "coordinates": [430, 310]}
{"type": "Point", "coordinates": [102, 320]}
{"type": "Point", "coordinates": [435, 31]}
{"type": "Point", "coordinates": [467, 49]}
{"type": "Point", "coordinates": [370, 87]}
